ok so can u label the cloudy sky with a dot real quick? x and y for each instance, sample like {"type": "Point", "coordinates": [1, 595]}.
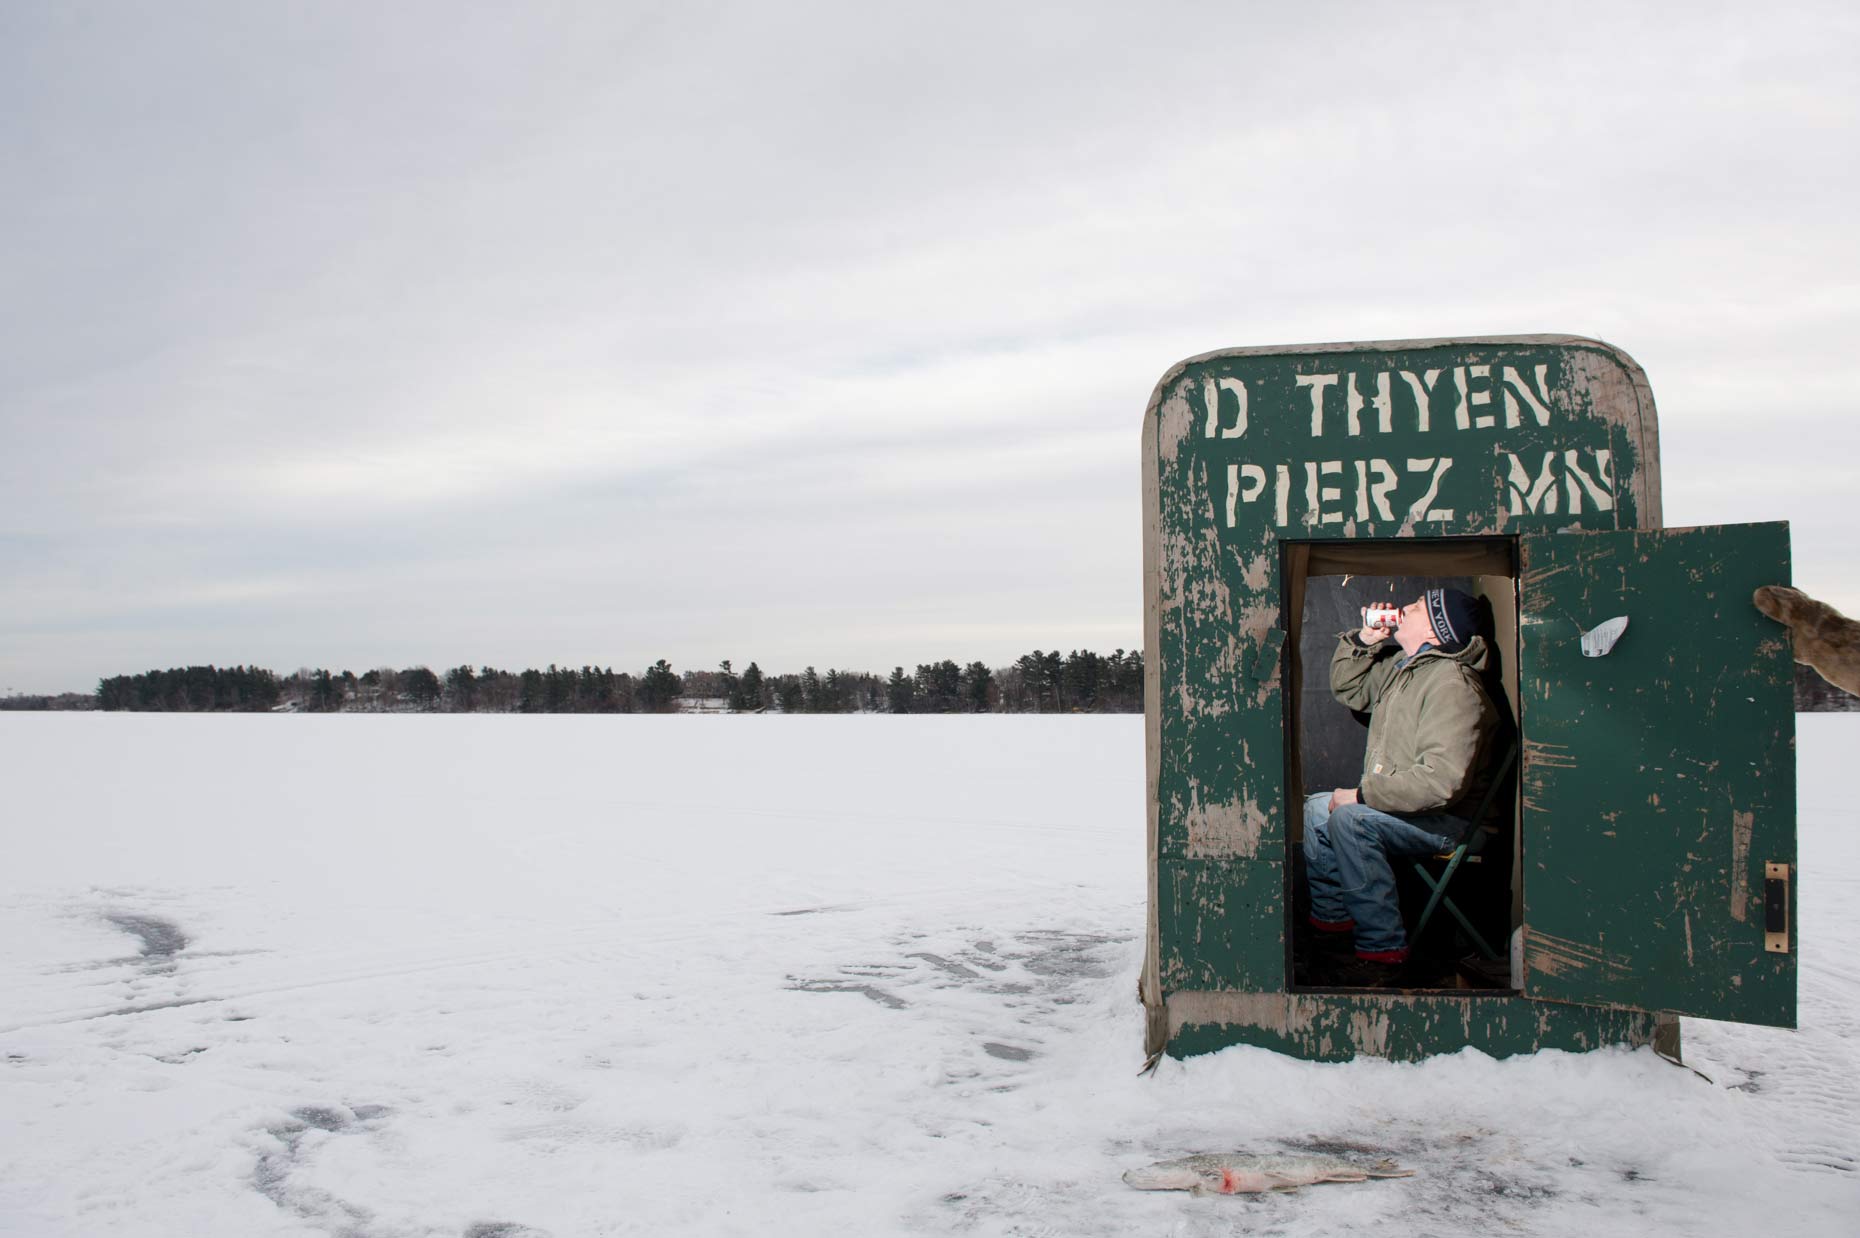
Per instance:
{"type": "Point", "coordinates": [356, 335]}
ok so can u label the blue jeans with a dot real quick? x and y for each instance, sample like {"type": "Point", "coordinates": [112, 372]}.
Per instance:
{"type": "Point", "coordinates": [1347, 864]}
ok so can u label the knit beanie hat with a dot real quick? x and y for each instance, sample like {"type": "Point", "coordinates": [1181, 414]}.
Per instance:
{"type": "Point", "coordinates": [1455, 616]}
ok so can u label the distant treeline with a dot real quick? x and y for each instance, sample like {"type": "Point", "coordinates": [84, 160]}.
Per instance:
{"type": "Point", "coordinates": [193, 689]}
{"type": "Point", "coordinates": [63, 700]}
{"type": "Point", "coordinates": [1038, 682]}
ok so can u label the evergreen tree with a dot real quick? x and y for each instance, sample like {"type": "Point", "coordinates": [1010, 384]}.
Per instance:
{"type": "Point", "coordinates": [558, 690]}
{"type": "Point", "coordinates": [325, 696]}
{"type": "Point", "coordinates": [461, 689]}
{"type": "Point", "coordinates": [900, 691]}
{"type": "Point", "coordinates": [597, 691]}
{"type": "Point", "coordinates": [532, 693]}
{"type": "Point", "coordinates": [939, 688]}
{"type": "Point", "coordinates": [497, 690]}
{"type": "Point", "coordinates": [751, 688]}
{"type": "Point", "coordinates": [421, 685]}
{"type": "Point", "coordinates": [660, 687]}
{"type": "Point", "coordinates": [1083, 668]}
{"type": "Point", "coordinates": [1033, 678]}
{"type": "Point", "coordinates": [977, 685]}
{"type": "Point", "coordinates": [1132, 680]}
{"type": "Point", "coordinates": [1053, 677]}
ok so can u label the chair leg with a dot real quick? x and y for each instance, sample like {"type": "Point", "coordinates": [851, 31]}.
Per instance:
{"type": "Point", "coordinates": [1439, 889]}
{"type": "Point", "coordinates": [1478, 941]}
{"type": "Point", "coordinates": [1439, 897]}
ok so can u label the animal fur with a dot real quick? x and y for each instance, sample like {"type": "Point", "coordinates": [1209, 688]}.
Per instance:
{"type": "Point", "coordinates": [1824, 638]}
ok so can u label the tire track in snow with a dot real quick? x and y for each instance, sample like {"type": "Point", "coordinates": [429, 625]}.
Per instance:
{"type": "Point", "coordinates": [1806, 1082]}
{"type": "Point", "coordinates": [617, 938]}
{"type": "Point", "coordinates": [1815, 1076]}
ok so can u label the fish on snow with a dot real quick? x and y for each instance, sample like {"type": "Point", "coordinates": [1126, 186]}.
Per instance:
{"type": "Point", "coordinates": [1235, 1173]}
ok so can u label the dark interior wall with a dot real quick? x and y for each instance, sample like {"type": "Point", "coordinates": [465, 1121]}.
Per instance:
{"type": "Point", "coordinates": [1331, 738]}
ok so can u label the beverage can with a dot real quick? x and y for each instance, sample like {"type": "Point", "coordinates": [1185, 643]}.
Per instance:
{"type": "Point", "coordinates": [1383, 615]}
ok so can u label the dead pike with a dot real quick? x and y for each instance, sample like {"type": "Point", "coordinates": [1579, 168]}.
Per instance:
{"type": "Point", "coordinates": [1234, 1173]}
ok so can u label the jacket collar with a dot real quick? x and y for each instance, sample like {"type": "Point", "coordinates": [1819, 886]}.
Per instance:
{"type": "Point", "coordinates": [1472, 654]}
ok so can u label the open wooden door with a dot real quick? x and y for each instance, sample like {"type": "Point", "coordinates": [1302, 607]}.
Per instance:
{"type": "Point", "coordinates": [1659, 776]}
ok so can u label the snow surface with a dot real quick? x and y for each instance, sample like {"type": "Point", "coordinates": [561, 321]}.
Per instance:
{"type": "Point", "coordinates": [499, 976]}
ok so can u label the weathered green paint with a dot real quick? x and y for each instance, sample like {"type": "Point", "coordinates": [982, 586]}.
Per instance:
{"type": "Point", "coordinates": [1379, 441]}
{"type": "Point", "coordinates": [1335, 1027]}
{"type": "Point", "coordinates": [1659, 779]}
{"type": "Point", "coordinates": [1214, 910]}
{"type": "Point", "coordinates": [1246, 448]}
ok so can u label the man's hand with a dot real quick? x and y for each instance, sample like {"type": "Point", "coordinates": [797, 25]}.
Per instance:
{"type": "Point", "coordinates": [1342, 796]}
{"type": "Point", "coordinates": [1370, 636]}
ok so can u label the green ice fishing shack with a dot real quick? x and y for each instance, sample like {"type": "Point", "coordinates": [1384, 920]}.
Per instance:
{"type": "Point", "coordinates": [1638, 862]}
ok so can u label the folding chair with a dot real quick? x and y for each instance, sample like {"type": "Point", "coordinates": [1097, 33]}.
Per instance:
{"type": "Point", "coordinates": [1466, 851]}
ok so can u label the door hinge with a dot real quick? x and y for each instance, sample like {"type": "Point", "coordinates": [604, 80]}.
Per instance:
{"type": "Point", "coordinates": [1776, 908]}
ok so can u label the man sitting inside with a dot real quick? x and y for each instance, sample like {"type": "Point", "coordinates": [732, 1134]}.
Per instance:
{"type": "Point", "coordinates": [1424, 772]}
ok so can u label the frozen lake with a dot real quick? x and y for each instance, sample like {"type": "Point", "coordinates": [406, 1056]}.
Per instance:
{"type": "Point", "coordinates": [504, 976]}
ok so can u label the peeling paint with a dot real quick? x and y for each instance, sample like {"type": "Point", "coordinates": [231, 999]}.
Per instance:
{"type": "Point", "coordinates": [1398, 1026]}
{"type": "Point", "coordinates": [1173, 421]}
{"type": "Point", "coordinates": [1547, 756]}
{"type": "Point", "coordinates": [1557, 956]}
{"type": "Point", "coordinates": [1742, 824]}
{"type": "Point", "coordinates": [1369, 1032]}
{"type": "Point", "coordinates": [1226, 830]}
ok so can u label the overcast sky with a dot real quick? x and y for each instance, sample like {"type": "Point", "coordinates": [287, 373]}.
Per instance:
{"type": "Point", "coordinates": [354, 335]}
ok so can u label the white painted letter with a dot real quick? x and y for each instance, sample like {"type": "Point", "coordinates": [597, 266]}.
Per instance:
{"type": "Point", "coordinates": [1526, 494]}
{"type": "Point", "coordinates": [1379, 491]}
{"type": "Point", "coordinates": [1353, 404]}
{"type": "Point", "coordinates": [1538, 400]}
{"type": "Point", "coordinates": [1317, 383]}
{"type": "Point", "coordinates": [1281, 492]}
{"type": "Point", "coordinates": [1420, 510]}
{"type": "Point", "coordinates": [1479, 396]}
{"type": "Point", "coordinates": [1604, 500]}
{"type": "Point", "coordinates": [1422, 385]}
{"type": "Point", "coordinates": [1329, 494]}
{"type": "Point", "coordinates": [1236, 494]}
{"type": "Point", "coordinates": [1211, 393]}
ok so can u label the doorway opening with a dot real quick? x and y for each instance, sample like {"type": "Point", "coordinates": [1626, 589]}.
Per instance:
{"type": "Point", "coordinates": [1327, 583]}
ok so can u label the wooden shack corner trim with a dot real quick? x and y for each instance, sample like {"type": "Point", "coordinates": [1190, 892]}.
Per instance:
{"type": "Point", "coordinates": [1149, 986]}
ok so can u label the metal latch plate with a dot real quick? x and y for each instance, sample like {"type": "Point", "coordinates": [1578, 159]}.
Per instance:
{"type": "Point", "coordinates": [1776, 908]}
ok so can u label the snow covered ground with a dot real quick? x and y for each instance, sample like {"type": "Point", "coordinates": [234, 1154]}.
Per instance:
{"type": "Point", "coordinates": [498, 976]}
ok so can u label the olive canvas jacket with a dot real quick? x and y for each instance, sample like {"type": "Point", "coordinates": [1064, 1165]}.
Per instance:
{"type": "Point", "coordinates": [1430, 724]}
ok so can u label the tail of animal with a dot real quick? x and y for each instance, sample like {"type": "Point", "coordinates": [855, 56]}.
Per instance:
{"type": "Point", "coordinates": [1821, 636]}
